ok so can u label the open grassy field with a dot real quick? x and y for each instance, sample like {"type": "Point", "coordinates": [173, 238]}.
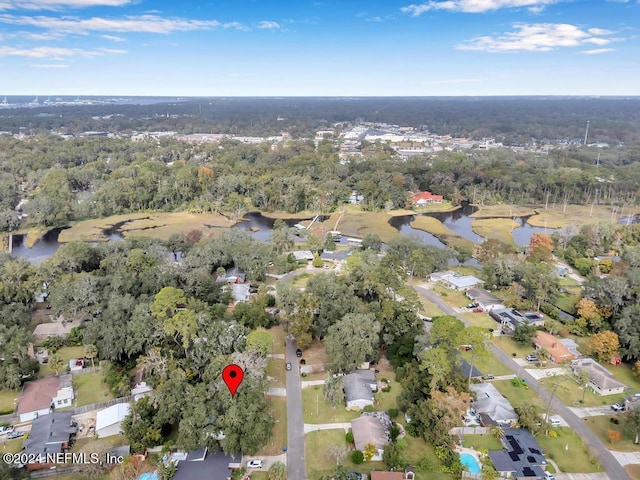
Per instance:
{"type": "Point", "coordinates": [487, 364]}
{"type": "Point", "coordinates": [276, 372]}
{"type": "Point", "coordinates": [316, 409]}
{"type": "Point", "coordinates": [509, 346]}
{"type": "Point", "coordinates": [556, 216]}
{"type": "Point", "coordinates": [279, 439]}
{"type": "Point", "coordinates": [65, 354]}
{"type": "Point", "coordinates": [569, 452]}
{"type": "Point", "coordinates": [8, 400]}
{"type": "Point", "coordinates": [571, 394]}
{"type": "Point", "coordinates": [452, 297]}
{"type": "Point", "coordinates": [480, 319]}
{"type": "Point", "coordinates": [430, 310]}
{"type": "Point", "coordinates": [518, 395]}
{"type": "Point", "coordinates": [435, 227]}
{"type": "Point", "coordinates": [90, 388]}
{"type": "Point", "coordinates": [497, 228]}
{"type": "Point", "coordinates": [602, 423]}
{"type": "Point", "coordinates": [152, 224]}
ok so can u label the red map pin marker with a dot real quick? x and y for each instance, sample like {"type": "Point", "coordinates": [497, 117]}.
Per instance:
{"type": "Point", "coordinates": [232, 376]}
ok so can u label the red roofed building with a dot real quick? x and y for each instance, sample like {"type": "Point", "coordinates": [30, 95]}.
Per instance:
{"type": "Point", "coordinates": [423, 198]}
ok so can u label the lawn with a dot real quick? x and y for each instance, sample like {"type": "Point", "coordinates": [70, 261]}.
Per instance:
{"type": "Point", "coordinates": [567, 302]}
{"type": "Point", "coordinates": [12, 446]}
{"type": "Point", "coordinates": [66, 354]}
{"type": "Point", "coordinates": [156, 224]}
{"type": "Point", "coordinates": [509, 346]}
{"type": "Point", "coordinates": [387, 400]}
{"type": "Point", "coordinates": [571, 394]}
{"type": "Point", "coordinates": [276, 372]}
{"type": "Point", "coordinates": [480, 320]}
{"type": "Point", "coordinates": [518, 395]}
{"type": "Point", "coordinates": [315, 354]}
{"type": "Point", "coordinates": [435, 227]}
{"type": "Point", "coordinates": [278, 339]}
{"type": "Point", "coordinates": [602, 423]}
{"type": "Point", "coordinates": [488, 364]}
{"type": "Point", "coordinates": [624, 374]}
{"type": "Point", "coordinates": [90, 388]}
{"type": "Point", "coordinates": [452, 297]}
{"type": "Point", "coordinates": [482, 442]}
{"type": "Point", "coordinates": [569, 452]}
{"type": "Point", "coordinates": [498, 228]}
{"type": "Point", "coordinates": [430, 310]}
{"type": "Point", "coordinates": [316, 409]}
{"type": "Point", "coordinates": [300, 281]}
{"type": "Point", "coordinates": [8, 400]}
{"type": "Point", "coordinates": [279, 439]}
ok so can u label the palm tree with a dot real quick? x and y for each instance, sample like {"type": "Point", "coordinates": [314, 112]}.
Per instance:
{"type": "Point", "coordinates": [497, 431]}
{"type": "Point", "coordinates": [90, 351]}
{"type": "Point", "coordinates": [278, 471]}
{"type": "Point", "coordinates": [56, 363]}
{"type": "Point", "coordinates": [543, 355]}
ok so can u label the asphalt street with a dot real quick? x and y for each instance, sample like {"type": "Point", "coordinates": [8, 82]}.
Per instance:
{"type": "Point", "coordinates": [296, 467]}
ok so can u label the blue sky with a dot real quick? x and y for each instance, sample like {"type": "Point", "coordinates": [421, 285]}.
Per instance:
{"type": "Point", "coordinates": [323, 47]}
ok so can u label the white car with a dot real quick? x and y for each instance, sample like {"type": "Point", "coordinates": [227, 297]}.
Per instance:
{"type": "Point", "coordinates": [556, 422]}
{"type": "Point", "coordinates": [548, 476]}
{"type": "Point", "coordinates": [254, 464]}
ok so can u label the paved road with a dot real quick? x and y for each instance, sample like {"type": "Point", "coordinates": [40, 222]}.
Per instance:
{"type": "Point", "coordinates": [605, 457]}
{"type": "Point", "coordinates": [296, 467]}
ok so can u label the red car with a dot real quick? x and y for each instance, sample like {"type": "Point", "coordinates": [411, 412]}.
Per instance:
{"type": "Point", "coordinates": [478, 310]}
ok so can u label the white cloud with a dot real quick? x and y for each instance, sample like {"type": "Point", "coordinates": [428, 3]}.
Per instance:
{"type": "Point", "coordinates": [537, 37]}
{"type": "Point", "coordinates": [142, 23]}
{"type": "Point", "coordinates": [113, 38]}
{"type": "Point", "coordinates": [597, 51]}
{"type": "Point", "coordinates": [57, 4]}
{"type": "Point", "coordinates": [475, 6]}
{"type": "Point", "coordinates": [49, 65]}
{"type": "Point", "coordinates": [268, 25]}
{"type": "Point", "coordinates": [55, 52]}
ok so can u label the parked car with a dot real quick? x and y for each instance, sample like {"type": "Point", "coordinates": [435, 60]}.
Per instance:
{"type": "Point", "coordinates": [548, 476]}
{"type": "Point", "coordinates": [355, 475]}
{"type": "Point", "coordinates": [466, 348]}
{"type": "Point", "coordinates": [298, 353]}
{"type": "Point", "coordinates": [488, 376]}
{"type": "Point", "coordinates": [472, 305]}
{"type": "Point", "coordinates": [6, 430]}
{"type": "Point", "coordinates": [254, 464]}
{"type": "Point", "coordinates": [618, 407]}
{"type": "Point", "coordinates": [288, 366]}
{"type": "Point", "coordinates": [16, 434]}
{"type": "Point", "coordinates": [478, 310]}
{"type": "Point", "coordinates": [555, 421]}
{"type": "Point", "coordinates": [531, 358]}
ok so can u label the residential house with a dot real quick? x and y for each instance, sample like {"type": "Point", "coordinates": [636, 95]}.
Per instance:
{"type": "Point", "coordinates": [109, 420]}
{"type": "Point", "coordinates": [359, 387]}
{"type": "Point", "coordinates": [485, 299]}
{"type": "Point", "coordinates": [601, 380]}
{"type": "Point", "coordinates": [421, 199]}
{"type": "Point", "coordinates": [302, 255]}
{"type": "Point", "coordinates": [58, 328]}
{"type": "Point", "coordinates": [465, 368]}
{"type": "Point", "coordinates": [204, 465]}
{"type": "Point", "coordinates": [632, 401]}
{"type": "Point", "coordinates": [491, 406]}
{"type": "Point", "coordinates": [509, 318]}
{"type": "Point", "coordinates": [455, 281]}
{"type": "Point", "coordinates": [232, 275]}
{"type": "Point", "coordinates": [355, 198]}
{"type": "Point", "coordinates": [41, 396]}
{"type": "Point", "coordinates": [558, 352]}
{"type": "Point", "coordinates": [50, 434]}
{"type": "Point", "coordinates": [141, 390]}
{"type": "Point", "coordinates": [368, 429]}
{"type": "Point", "coordinates": [240, 292]}
{"type": "Point", "coordinates": [522, 457]}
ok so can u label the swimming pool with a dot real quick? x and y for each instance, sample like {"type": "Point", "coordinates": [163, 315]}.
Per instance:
{"type": "Point", "coordinates": [470, 462]}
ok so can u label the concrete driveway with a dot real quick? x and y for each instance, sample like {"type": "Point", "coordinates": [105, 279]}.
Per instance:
{"type": "Point", "coordinates": [592, 411]}
{"type": "Point", "coordinates": [539, 373]}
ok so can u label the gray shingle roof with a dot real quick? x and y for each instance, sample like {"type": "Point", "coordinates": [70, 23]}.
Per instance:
{"type": "Point", "coordinates": [357, 385]}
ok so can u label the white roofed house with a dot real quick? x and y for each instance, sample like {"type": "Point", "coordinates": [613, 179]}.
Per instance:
{"type": "Point", "coordinates": [455, 281]}
{"type": "Point", "coordinates": [109, 420]}
{"type": "Point", "coordinates": [601, 381]}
